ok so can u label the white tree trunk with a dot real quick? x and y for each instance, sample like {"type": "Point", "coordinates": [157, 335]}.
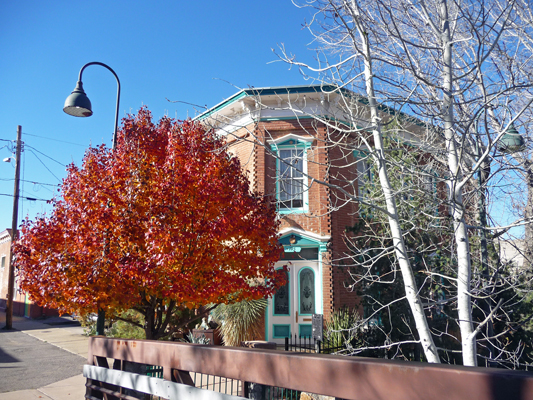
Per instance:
{"type": "Point", "coordinates": [464, 271]}
{"type": "Point", "coordinates": [411, 290]}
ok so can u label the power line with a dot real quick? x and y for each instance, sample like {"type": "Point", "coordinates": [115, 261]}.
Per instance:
{"type": "Point", "coordinates": [41, 187]}
{"type": "Point", "coordinates": [41, 161]}
{"type": "Point", "coordinates": [31, 147]}
{"type": "Point", "coordinates": [9, 144]}
{"type": "Point", "coordinates": [55, 140]}
{"type": "Point", "coordinates": [24, 197]}
{"type": "Point", "coordinates": [35, 183]}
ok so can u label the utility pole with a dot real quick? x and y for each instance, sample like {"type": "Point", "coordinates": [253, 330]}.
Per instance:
{"type": "Point", "coordinates": [11, 282]}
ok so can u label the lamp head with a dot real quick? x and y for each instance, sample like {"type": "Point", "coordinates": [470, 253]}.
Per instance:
{"type": "Point", "coordinates": [512, 141]}
{"type": "Point", "coordinates": [77, 103]}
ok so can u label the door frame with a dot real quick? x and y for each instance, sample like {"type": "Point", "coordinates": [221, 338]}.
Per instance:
{"type": "Point", "coordinates": [293, 241]}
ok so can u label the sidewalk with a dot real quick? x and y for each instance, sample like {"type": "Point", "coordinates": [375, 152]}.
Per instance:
{"type": "Point", "coordinates": [60, 332]}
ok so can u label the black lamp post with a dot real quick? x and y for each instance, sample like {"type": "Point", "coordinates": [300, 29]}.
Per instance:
{"type": "Point", "coordinates": [78, 104]}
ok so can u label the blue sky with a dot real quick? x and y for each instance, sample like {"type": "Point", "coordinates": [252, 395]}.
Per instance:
{"type": "Point", "coordinates": [180, 50]}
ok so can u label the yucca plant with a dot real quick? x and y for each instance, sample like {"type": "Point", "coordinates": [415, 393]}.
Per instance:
{"type": "Point", "coordinates": [200, 339]}
{"type": "Point", "coordinates": [240, 321]}
{"type": "Point", "coordinates": [341, 329]}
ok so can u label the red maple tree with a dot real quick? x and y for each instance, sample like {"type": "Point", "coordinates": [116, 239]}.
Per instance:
{"type": "Point", "coordinates": [165, 222]}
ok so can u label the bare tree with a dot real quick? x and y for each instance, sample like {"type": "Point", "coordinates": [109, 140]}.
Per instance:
{"type": "Point", "coordinates": [454, 66]}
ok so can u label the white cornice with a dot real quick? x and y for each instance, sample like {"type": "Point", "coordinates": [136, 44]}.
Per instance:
{"type": "Point", "coordinates": [304, 233]}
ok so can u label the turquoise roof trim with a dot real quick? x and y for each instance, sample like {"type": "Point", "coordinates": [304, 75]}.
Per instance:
{"type": "Point", "coordinates": [325, 89]}
{"type": "Point", "coordinates": [269, 91]}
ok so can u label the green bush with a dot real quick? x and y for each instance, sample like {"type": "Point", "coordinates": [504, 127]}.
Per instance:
{"type": "Point", "coordinates": [116, 328]}
{"type": "Point", "coordinates": [125, 330]}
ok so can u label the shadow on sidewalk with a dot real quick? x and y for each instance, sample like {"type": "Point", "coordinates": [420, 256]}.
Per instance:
{"type": "Point", "coordinates": [27, 324]}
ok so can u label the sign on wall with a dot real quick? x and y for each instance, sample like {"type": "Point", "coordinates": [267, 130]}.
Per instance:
{"type": "Point", "coordinates": [318, 327]}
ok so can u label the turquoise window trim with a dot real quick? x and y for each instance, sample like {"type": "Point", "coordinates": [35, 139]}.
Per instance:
{"type": "Point", "coordinates": [307, 328]}
{"type": "Point", "coordinates": [360, 154]}
{"type": "Point", "coordinates": [298, 145]}
{"type": "Point", "coordinates": [288, 294]}
{"type": "Point", "coordinates": [274, 326]}
{"type": "Point", "coordinates": [314, 283]}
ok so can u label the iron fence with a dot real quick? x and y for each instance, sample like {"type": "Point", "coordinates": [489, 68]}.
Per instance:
{"type": "Point", "coordinates": [307, 344]}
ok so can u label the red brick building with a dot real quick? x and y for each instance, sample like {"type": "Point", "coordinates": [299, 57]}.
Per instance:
{"type": "Point", "coordinates": [289, 156]}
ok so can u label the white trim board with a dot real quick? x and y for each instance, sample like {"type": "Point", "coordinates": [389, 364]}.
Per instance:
{"type": "Point", "coordinates": [155, 386]}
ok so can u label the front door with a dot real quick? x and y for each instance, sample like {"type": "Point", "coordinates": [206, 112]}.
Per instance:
{"type": "Point", "coordinates": [291, 308]}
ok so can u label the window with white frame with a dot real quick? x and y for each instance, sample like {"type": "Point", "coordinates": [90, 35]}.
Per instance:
{"type": "Point", "coordinates": [3, 264]}
{"type": "Point", "coordinates": [291, 178]}
{"type": "Point", "coordinates": [291, 169]}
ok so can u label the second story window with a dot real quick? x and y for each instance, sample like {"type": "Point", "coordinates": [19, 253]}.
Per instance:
{"type": "Point", "coordinates": [291, 178]}
{"type": "Point", "coordinates": [291, 173]}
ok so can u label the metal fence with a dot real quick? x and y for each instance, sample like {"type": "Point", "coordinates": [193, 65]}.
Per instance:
{"type": "Point", "coordinates": [307, 344]}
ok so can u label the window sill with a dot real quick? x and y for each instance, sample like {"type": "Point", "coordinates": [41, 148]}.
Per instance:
{"type": "Point", "coordinates": [292, 211]}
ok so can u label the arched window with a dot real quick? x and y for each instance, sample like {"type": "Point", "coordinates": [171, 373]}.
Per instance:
{"type": "Point", "coordinates": [306, 287]}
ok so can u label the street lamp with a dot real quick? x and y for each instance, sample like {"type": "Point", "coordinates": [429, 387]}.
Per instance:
{"type": "Point", "coordinates": [78, 104]}
{"type": "Point", "coordinates": [512, 141]}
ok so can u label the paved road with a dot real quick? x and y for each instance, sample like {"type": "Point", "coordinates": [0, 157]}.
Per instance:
{"type": "Point", "coordinates": [30, 363]}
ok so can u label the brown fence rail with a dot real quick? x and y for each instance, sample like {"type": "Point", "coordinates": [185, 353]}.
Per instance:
{"type": "Point", "coordinates": [337, 376]}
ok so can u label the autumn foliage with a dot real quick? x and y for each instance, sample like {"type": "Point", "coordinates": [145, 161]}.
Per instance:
{"type": "Point", "coordinates": [166, 220]}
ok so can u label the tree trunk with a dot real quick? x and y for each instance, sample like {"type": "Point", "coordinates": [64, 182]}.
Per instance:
{"type": "Point", "coordinates": [149, 317]}
{"type": "Point", "coordinates": [411, 290]}
{"type": "Point", "coordinates": [464, 303]}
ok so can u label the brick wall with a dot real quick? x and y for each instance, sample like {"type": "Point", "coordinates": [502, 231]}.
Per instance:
{"type": "Point", "coordinates": [320, 219]}
{"type": "Point", "coordinates": [343, 169]}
